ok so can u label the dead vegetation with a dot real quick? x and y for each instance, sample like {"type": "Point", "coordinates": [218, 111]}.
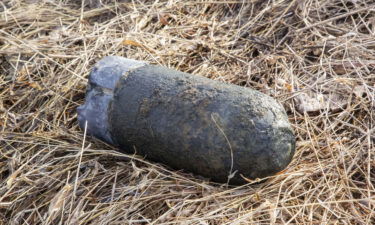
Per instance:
{"type": "Point", "coordinates": [316, 57]}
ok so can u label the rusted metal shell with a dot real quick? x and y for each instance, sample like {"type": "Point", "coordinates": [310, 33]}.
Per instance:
{"type": "Point", "coordinates": [217, 130]}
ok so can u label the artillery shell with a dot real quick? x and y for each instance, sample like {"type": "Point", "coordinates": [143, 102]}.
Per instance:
{"type": "Point", "coordinates": [217, 130]}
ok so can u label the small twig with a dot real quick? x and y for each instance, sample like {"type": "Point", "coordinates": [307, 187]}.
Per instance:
{"type": "Point", "coordinates": [335, 18]}
{"type": "Point", "coordinates": [231, 174]}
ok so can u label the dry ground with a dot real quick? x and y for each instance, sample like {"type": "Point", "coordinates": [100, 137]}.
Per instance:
{"type": "Point", "coordinates": [316, 57]}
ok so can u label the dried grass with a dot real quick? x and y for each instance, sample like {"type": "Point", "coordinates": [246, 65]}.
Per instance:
{"type": "Point", "coordinates": [316, 57]}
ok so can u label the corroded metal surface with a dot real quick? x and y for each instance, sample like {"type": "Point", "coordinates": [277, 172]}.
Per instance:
{"type": "Point", "coordinates": [188, 122]}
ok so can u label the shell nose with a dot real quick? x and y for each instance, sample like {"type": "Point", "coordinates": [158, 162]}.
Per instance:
{"type": "Point", "coordinates": [81, 115]}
